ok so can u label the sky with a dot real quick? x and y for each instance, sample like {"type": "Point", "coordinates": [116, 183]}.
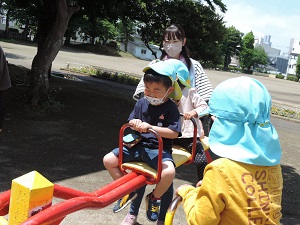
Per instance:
{"type": "Point", "coordinates": [278, 18]}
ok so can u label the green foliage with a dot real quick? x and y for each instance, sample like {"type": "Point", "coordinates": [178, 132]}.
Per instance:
{"type": "Point", "coordinates": [217, 3]}
{"type": "Point", "coordinates": [234, 69]}
{"type": "Point", "coordinates": [93, 27]}
{"type": "Point", "coordinates": [298, 68]}
{"type": "Point", "coordinates": [292, 78]}
{"type": "Point", "coordinates": [126, 29]}
{"type": "Point", "coordinates": [260, 57]}
{"type": "Point", "coordinates": [103, 19]}
{"type": "Point", "coordinates": [231, 45]}
{"type": "Point", "coordinates": [279, 76]}
{"type": "Point", "coordinates": [246, 56]}
{"type": "Point", "coordinates": [99, 19]}
{"type": "Point", "coordinates": [104, 73]}
{"type": "Point", "coordinates": [246, 71]}
{"type": "Point", "coordinates": [285, 112]}
{"type": "Point", "coordinates": [73, 26]}
{"type": "Point", "coordinates": [23, 14]}
{"type": "Point", "coordinates": [203, 34]}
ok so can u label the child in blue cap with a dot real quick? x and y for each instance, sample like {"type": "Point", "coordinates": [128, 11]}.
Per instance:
{"type": "Point", "coordinates": [156, 111]}
{"type": "Point", "coordinates": [243, 186]}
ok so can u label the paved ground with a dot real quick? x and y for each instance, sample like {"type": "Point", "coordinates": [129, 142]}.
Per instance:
{"type": "Point", "coordinates": [67, 147]}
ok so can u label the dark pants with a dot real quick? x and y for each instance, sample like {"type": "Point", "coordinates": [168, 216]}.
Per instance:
{"type": "Point", "coordinates": [200, 159]}
{"type": "Point", "coordinates": [207, 123]}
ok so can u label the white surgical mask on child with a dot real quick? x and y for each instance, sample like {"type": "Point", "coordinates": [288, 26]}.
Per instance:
{"type": "Point", "coordinates": [173, 49]}
{"type": "Point", "coordinates": [156, 101]}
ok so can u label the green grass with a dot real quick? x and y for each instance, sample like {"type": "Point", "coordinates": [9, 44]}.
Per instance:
{"type": "Point", "coordinates": [285, 112]}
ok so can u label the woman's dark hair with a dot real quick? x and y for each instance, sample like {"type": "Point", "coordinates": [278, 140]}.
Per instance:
{"type": "Point", "coordinates": [152, 76]}
{"type": "Point", "coordinates": [172, 32]}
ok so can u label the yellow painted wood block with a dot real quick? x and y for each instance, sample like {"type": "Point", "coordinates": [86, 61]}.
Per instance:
{"type": "Point", "coordinates": [30, 194]}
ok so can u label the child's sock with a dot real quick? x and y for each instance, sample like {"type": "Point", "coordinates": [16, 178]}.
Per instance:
{"type": "Point", "coordinates": [153, 197]}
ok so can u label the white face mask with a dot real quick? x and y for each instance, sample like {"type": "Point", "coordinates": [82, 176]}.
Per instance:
{"type": "Point", "coordinates": [173, 49]}
{"type": "Point", "coordinates": [156, 101]}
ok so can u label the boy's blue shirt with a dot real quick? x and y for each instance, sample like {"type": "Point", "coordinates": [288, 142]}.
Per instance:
{"type": "Point", "coordinates": [164, 115]}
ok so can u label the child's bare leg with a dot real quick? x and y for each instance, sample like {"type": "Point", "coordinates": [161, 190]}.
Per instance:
{"type": "Point", "coordinates": [110, 162]}
{"type": "Point", "coordinates": [167, 177]}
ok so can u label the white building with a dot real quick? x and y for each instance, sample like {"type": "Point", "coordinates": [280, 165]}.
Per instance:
{"type": "Point", "coordinates": [294, 52]}
{"type": "Point", "coordinates": [139, 49]}
{"type": "Point", "coordinates": [12, 25]}
{"type": "Point", "coordinates": [235, 61]}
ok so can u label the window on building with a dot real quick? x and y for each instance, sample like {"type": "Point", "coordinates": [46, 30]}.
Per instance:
{"type": "Point", "coordinates": [143, 51]}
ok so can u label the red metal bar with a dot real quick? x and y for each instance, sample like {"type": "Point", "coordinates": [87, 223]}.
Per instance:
{"type": "Point", "coordinates": [57, 212]}
{"type": "Point", "coordinates": [109, 193]}
{"type": "Point", "coordinates": [4, 203]}
{"type": "Point", "coordinates": [195, 133]}
{"type": "Point", "coordinates": [67, 193]}
{"type": "Point", "coordinates": [160, 150]}
{"type": "Point", "coordinates": [194, 147]}
{"type": "Point", "coordinates": [208, 157]}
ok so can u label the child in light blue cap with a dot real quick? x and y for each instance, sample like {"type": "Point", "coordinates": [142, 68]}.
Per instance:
{"type": "Point", "coordinates": [243, 186]}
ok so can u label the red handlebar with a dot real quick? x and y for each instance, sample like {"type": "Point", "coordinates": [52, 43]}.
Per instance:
{"type": "Point", "coordinates": [160, 150]}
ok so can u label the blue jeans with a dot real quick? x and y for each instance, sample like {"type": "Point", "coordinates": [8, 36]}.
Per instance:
{"type": "Point", "coordinates": [144, 154]}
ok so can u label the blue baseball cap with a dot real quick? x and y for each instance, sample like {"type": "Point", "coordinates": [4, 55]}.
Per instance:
{"type": "Point", "coordinates": [173, 68]}
{"type": "Point", "coordinates": [242, 130]}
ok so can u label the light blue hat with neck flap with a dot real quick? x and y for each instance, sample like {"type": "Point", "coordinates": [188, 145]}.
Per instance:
{"type": "Point", "coordinates": [174, 69]}
{"type": "Point", "coordinates": [242, 130]}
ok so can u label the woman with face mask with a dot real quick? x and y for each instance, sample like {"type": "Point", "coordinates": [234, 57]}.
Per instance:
{"type": "Point", "coordinates": [174, 47]}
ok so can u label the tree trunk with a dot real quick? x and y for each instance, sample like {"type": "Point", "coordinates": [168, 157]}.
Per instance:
{"type": "Point", "coordinates": [92, 42]}
{"type": "Point", "coordinates": [153, 53]}
{"type": "Point", "coordinates": [126, 43]}
{"type": "Point", "coordinates": [25, 32]}
{"type": "Point", "coordinates": [50, 38]}
{"type": "Point", "coordinates": [7, 24]}
{"type": "Point", "coordinates": [67, 40]}
{"type": "Point", "coordinates": [227, 61]}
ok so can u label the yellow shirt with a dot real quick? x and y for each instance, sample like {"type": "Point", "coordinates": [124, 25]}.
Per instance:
{"type": "Point", "coordinates": [234, 193]}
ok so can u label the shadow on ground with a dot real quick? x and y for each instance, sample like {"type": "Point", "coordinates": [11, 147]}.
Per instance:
{"type": "Point", "coordinates": [63, 144]}
{"type": "Point", "coordinates": [290, 198]}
